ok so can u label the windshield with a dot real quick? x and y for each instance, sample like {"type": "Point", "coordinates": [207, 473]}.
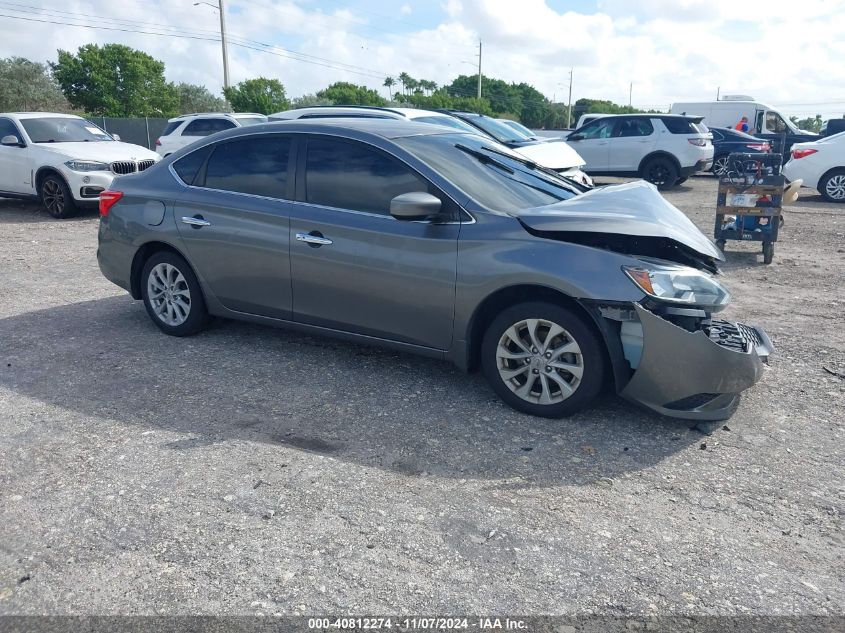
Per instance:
{"type": "Point", "coordinates": [61, 130]}
{"type": "Point", "coordinates": [251, 120]}
{"type": "Point", "coordinates": [500, 131]}
{"type": "Point", "coordinates": [489, 173]}
{"type": "Point", "coordinates": [448, 121]}
{"type": "Point", "coordinates": [519, 127]}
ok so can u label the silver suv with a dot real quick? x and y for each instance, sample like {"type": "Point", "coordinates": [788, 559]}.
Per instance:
{"type": "Point", "coordinates": [440, 243]}
{"type": "Point", "coordinates": [184, 130]}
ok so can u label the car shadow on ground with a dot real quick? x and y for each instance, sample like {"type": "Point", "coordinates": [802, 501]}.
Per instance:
{"type": "Point", "coordinates": [32, 212]}
{"type": "Point", "coordinates": [105, 359]}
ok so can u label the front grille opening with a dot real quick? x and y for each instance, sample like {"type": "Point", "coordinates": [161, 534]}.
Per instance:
{"type": "Point", "coordinates": [734, 336]}
{"type": "Point", "coordinates": [145, 164]}
{"type": "Point", "coordinates": [124, 167]}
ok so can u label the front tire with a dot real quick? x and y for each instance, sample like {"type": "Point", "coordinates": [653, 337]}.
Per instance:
{"type": "Point", "coordinates": [543, 359]}
{"type": "Point", "coordinates": [832, 186]}
{"type": "Point", "coordinates": [172, 295]}
{"type": "Point", "coordinates": [56, 197]}
{"type": "Point", "coordinates": [720, 165]}
{"type": "Point", "coordinates": [661, 172]}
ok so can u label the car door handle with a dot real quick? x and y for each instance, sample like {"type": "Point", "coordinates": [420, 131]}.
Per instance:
{"type": "Point", "coordinates": [196, 221]}
{"type": "Point", "coordinates": [314, 239]}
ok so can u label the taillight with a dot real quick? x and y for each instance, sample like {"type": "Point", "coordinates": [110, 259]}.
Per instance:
{"type": "Point", "coordinates": [701, 142]}
{"type": "Point", "coordinates": [107, 200]}
{"type": "Point", "coordinates": [802, 153]}
{"type": "Point", "coordinates": [758, 147]}
{"type": "Point", "coordinates": [158, 142]}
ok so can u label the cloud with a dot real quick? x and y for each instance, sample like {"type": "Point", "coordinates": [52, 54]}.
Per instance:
{"type": "Point", "coordinates": [406, 9]}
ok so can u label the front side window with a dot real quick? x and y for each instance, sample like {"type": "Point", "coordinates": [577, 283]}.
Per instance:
{"type": "Point", "coordinates": [63, 130]}
{"type": "Point", "coordinates": [348, 175]}
{"type": "Point", "coordinates": [600, 128]}
{"type": "Point", "coordinates": [635, 126]}
{"type": "Point", "coordinates": [258, 166]}
{"type": "Point", "coordinates": [7, 128]}
{"type": "Point", "coordinates": [775, 123]}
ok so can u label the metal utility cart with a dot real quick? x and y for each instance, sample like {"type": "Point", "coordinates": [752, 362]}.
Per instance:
{"type": "Point", "coordinates": [751, 190]}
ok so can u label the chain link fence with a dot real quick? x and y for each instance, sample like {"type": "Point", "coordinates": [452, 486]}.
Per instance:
{"type": "Point", "coordinates": [140, 131]}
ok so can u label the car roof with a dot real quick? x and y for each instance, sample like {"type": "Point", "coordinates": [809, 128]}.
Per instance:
{"type": "Point", "coordinates": [182, 117]}
{"type": "Point", "coordinates": [382, 127]}
{"type": "Point", "coordinates": [327, 111]}
{"type": "Point", "coordinates": [41, 115]}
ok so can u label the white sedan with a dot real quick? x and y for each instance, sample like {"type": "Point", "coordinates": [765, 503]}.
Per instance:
{"type": "Point", "coordinates": [820, 164]}
{"type": "Point", "coordinates": [62, 159]}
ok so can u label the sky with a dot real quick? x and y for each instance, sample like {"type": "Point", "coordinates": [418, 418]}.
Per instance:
{"type": "Point", "coordinates": [785, 53]}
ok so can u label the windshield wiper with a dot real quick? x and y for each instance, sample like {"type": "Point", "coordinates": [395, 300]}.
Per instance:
{"type": "Point", "coordinates": [484, 158]}
{"type": "Point", "coordinates": [530, 164]}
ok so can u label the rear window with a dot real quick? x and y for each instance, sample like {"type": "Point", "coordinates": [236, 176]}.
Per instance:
{"type": "Point", "coordinates": [679, 125]}
{"type": "Point", "coordinates": [172, 125]}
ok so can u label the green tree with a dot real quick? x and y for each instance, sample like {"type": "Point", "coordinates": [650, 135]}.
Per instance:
{"type": "Point", "coordinates": [811, 124]}
{"type": "Point", "coordinates": [193, 98]}
{"type": "Point", "coordinates": [262, 95]}
{"type": "Point", "coordinates": [405, 79]}
{"type": "Point", "coordinates": [115, 80]}
{"type": "Point", "coordinates": [306, 101]}
{"type": "Point", "coordinates": [27, 86]}
{"type": "Point", "coordinates": [502, 96]}
{"type": "Point", "coordinates": [345, 93]}
{"type": "Point", "coordinates": [389, 82]}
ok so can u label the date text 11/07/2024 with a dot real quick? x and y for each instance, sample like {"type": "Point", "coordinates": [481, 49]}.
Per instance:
{"type": "Point", "coordinates": [417, 623]}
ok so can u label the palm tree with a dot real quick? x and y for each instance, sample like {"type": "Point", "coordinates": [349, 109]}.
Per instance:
{"type": "Point", "coordinates": [404, 79]}
{"type": "Point", "coordinates": [389, 82]}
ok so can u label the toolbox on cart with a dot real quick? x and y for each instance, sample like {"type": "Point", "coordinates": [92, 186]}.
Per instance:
{"type": "Point", "coordinates": [751, 190]}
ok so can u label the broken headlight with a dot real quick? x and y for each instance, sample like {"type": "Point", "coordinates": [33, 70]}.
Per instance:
{"type": "Point", "coordinates": [678, 284]}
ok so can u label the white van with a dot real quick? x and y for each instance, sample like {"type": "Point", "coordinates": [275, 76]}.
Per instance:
{"type": "Point", "coordinates": [764, 121]}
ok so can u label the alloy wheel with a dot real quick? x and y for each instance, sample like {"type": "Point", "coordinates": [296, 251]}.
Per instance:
{"type": "Point", "coordinates": [53, 197]}
{"type": "Point", "coordinates": [720, 166]}
{"type": "Point", "coordinates": [835, 187]}
{"type": "Point", "coordinates": [539, 361]}
{"type": "Point", "coordinates": [658, 175]}
{"type": "Point", "coordinates": [168, 294]}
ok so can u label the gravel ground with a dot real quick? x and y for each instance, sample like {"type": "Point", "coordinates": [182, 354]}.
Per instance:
{"type": "Point", "coordinates": [252, 470]}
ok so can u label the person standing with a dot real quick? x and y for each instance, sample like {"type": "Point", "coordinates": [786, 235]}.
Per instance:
{"type": "Point", "coordinates": [742, 126]}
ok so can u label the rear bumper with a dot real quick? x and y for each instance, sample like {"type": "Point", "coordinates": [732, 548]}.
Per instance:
{"type": "Point", "coordinates": [691, 375]}
{"type": "Point", "coordinates": [704, 164]}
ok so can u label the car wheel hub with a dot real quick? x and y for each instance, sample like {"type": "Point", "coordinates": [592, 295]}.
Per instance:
{"type": "Point", "coordinates": [835, 187]}
{"type": "Point", "coordinates": [168, 294]}
{"type": "Point", "coordinates": [539, 361]}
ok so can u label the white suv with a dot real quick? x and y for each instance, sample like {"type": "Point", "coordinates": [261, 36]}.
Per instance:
{"type": "Point", "coordinates": [63, 159]}
{"type": "Point", "coordinates": [184, 130]}
{"type": "Point", "coordinates": [664, 149]}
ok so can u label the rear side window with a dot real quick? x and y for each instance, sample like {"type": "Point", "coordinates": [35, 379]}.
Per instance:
{"type": "Point", "coordinates": [635, 126]}
{"type": "Point", "coordinates": [204, 127]}
{"type": "Point", "coordinates": [172, 125]}
{"type": "Point", "coordinates": [353, 176]}
{"type": "Point", "coordinates": [188, 166]}
{"type": "Point", "coordinates": [680, 125]}
{"type": "Point", "coordinates": [258, 166]}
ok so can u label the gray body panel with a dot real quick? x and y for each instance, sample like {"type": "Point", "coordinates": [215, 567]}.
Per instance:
{"type": "Point", "coordinates": [414, 286]}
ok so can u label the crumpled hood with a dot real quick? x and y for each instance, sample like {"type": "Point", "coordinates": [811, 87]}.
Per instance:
{"type": "Point", "coordinates": [632, 209]}
{"type": "Point", "coordinates": [104, 151]}
{"type": "Point", "coordinates": [552, 154]}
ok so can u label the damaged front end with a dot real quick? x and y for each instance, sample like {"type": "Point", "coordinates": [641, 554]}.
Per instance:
{"type": "Point", "coordinates": [685, 364]}
{"type": "Point", "coordinates": [668, 351]}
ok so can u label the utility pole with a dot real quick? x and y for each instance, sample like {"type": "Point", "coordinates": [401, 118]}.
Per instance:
{"type": "Point", "coordinates": [224, 43]}
{"type": "Point", "coordinates": [479, 69]}
{"type": "Point", "coordinates": [569, 107]}
{"type": "Point", "coordinates": [630, 92]}
{"type": "Point", "coordinates": [718, 89]}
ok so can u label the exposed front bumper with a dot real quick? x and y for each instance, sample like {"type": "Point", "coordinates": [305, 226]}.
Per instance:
{"type": "Point", "coordinates": [82, 184]}
{"type": "Point", "coordinates": [691, 375]}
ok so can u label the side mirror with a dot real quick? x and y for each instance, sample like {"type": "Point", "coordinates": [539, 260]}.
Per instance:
{"type": "Point", "coordinates": [115, 137]}
{"type": "Point", "coordinates": [575, 137]}
{"type": "Point", "coordinates": [11, 141]}
{"type": "Point", "coordinates": [417, 205]}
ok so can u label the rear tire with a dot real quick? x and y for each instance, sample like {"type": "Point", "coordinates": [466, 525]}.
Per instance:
{"type": "Point", "coordinates": [56, 197]}
{"type": "Point", "coordinates": [768, 252]}
{"type": "Point", "coordinates": [832, 186]}
{"type": "Point", "coordinates": [543, 359]}
{"type": "Point", "coordinates": [172, 295]}
{"type": "Point", "coordinates": [720, 165]}
{"type": "Point", "coordinates": [661, 172]}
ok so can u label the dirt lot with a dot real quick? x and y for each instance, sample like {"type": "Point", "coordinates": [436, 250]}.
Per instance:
{"type": "Point", "coordinates": [252, 470]}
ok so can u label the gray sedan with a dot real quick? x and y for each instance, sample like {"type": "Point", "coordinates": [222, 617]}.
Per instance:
{"type": "Point", "coordinates": [439, 243]}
